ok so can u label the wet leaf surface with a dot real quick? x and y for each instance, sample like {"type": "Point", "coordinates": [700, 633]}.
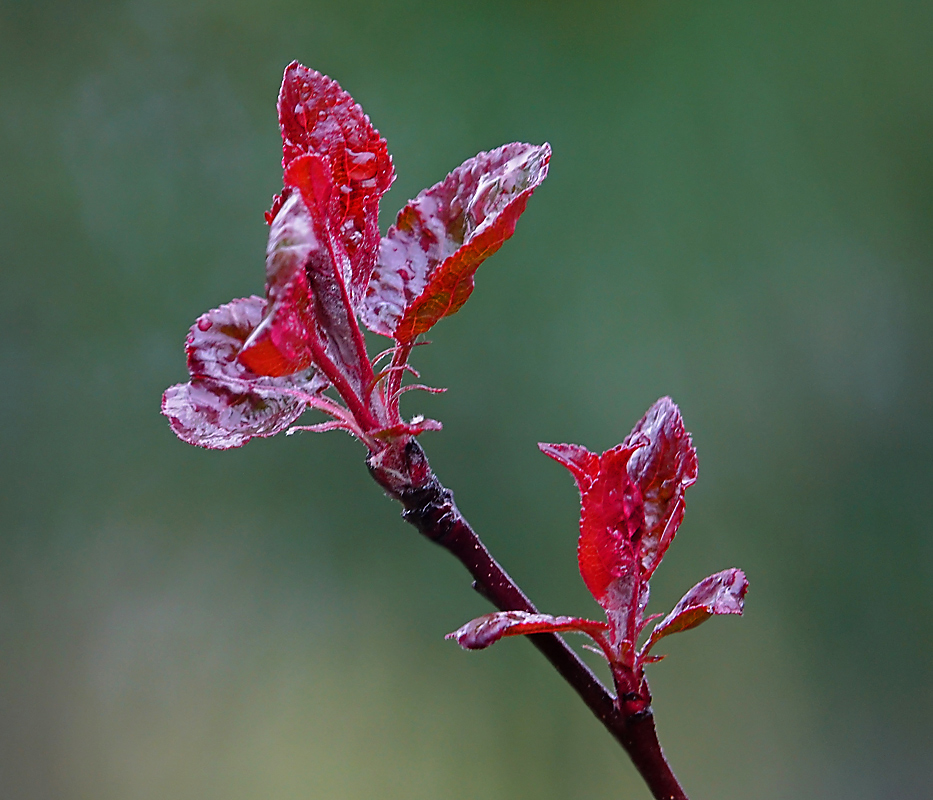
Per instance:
{"type": "Point", "coordinates": [225, 404]}
{"type": "Point", "coordinates": [318, 117]}
{"type": "Point", "coordinates": [722, 593]}
{"type": "Point", "coordinates": [488, 629]}
{"type": "Point", "coordinates": [428, 258]}
{"type": "Point", "coordinates": [662, 469]}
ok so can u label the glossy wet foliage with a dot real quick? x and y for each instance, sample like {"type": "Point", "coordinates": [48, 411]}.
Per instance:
{"type": "Point", "coordinates": [737, 215]}
{"type": "Point", "coordinates": [632, 500]}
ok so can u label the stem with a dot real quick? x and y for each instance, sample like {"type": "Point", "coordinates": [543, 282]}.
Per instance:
{"type": "Point", "coordinates": [359, 411]}
{"type": "Point", "coordinates": [393, 381]}
{"type": "Point", "coordinates": [430, 507]}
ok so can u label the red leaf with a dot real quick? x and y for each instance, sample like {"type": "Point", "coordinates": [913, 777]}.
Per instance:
{"type": "Point", "coordinates": [662, 470]}
{"type": "Point", "coordinates": [280, 345]}
{"type": "Point", "coordinates": [428, 258]}
{"type": "Point", "coordinates": [488, 629]}
{"type": "Point", "coordinates": [581, 462]}
{"type": "Point", "coordinates": [307, 272]}
{"type": "Point", "coordinates": [611, 516]}
{"type": "Point", "coordinates": [309, 174]}
{"type": "Point", "coordinates": [722, 593]}
{"type": "Point", "coordinates": [226, 404]}
{"type": "Point", "coordinates": [317, 116]}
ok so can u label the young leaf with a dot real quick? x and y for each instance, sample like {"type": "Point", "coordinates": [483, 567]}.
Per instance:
{"type": "Point", "coordinates": [317, 116]}
{"type": "Point", "coordinates": [662, 470]}
{"type": "Point", "coordinates": [211, 414]}
{"type": "Point", "coordinates": [280, 344]}
{"type": "Point", "coordinates": [225, 404]}
{"type": "Point", "coordinates": [611, 515]}
{"type": "Point", "coordinates": [581, 462]}
{"type": "Point", "coordinates": [490, 628]}
{"type": "Point", "coordinates": [722, 593]}
{"type": "Point", "coordinates": [428, 258]}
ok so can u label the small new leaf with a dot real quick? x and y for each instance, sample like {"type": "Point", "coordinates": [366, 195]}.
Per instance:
{"type": "Point", "coordinates": [662, 470]}
{"type": "Point", "coordinates": [490, 628]}
{"type": "Point", "coordinates": [722, 593]}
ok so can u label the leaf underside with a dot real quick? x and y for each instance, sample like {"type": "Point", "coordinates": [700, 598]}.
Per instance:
{"type": "Point", "coordinates": [225, 404]}
{"type": "Point", "coordinates": [279, 345]}
{"type": "Point", "coordinates": [488, 629]}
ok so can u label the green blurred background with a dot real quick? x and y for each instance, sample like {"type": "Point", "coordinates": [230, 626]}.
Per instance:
{"type": "Point", "coordinates": [739, 214]}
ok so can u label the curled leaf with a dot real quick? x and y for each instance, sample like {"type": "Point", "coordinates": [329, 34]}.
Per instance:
{"type": "Point", "coordinates": [225, 403]}
{"type": "Point", "coordinates": [722, 593]}
{"type": "Point", "coordinates": [662, 470]}
{"type": "Point", "coordinates": [211, 414]}
{"type": "Point", "coordinates": [280, 344]}
{"type": "Point", "coordinates": [428, 258]}
{"type": "Point", "coordinates": [488, 629]}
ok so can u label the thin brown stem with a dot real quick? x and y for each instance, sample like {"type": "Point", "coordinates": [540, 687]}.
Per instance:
{"type": "Point", "coordinates": [430, 508]}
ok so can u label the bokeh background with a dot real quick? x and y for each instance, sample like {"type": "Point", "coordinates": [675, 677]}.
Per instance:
{"type": "Point", "coordinates": [739, 214]}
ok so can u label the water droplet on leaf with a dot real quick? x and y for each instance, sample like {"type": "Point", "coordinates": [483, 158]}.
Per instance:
{"type": "Point", "coordinates": [361, 166]}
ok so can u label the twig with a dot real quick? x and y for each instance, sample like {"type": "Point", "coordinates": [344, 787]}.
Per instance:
{"type": "Point", "coordinates": [430, 507]}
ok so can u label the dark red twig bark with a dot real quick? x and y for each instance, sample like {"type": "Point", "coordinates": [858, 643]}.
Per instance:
{"type": "Point", "coordinates": [430, 507]}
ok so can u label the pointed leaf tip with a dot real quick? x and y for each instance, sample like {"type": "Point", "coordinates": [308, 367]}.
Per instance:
{"type": "Point", "coordinates": [722, 593]}
{"type": "Point", "coordinates": [488, 629]}
{"type": "Point", "coordinates": [662, 469]}
{"type": "Point", "coordinates": [581, 462]}
{"type": "Point", "coordinates": [427, 260]}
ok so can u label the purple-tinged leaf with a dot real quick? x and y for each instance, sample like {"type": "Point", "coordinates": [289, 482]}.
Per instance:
{"type": "Point", "coordinates": [488, 629]}
{"type": "Point", "coordinates": [722, 593]}
{"type": "Point", "coordinates": [428, 258]}
{"type": "Point", "coordinates": [306, 289]}
{"type": "Point", "coordinates": [212, 414]}
{"type": "Point", "coordinates": [225, 403]}
{"type": "Point", "coordinates": [318, 117]}
{"type": "Point", "coordinates": [662, 470]}
{"type": "Point", "coordinates": [625, 601]}
{"type": "Point", "coordinates": [280, 344]}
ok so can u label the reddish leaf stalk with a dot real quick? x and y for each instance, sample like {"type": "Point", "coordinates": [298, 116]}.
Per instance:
{"type": "Point", "coordinates": [393, 382]}
{"type": "Point", "coordinates": [429, 506]}
{"type": "Point", "coordinates": [358, 409]}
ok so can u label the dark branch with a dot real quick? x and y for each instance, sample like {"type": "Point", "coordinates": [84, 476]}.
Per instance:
{"type": "Point", "coordinates": [430, 507]}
